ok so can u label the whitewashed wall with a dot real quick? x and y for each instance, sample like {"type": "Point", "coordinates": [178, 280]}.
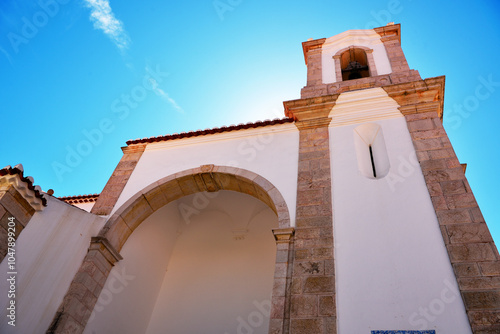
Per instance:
{"type": "Point", "coordinates": [270, 151]}
{"type": "Point", "coordinates": [390, 260]}
{"type": "Point", "coordinates": [49, 252]}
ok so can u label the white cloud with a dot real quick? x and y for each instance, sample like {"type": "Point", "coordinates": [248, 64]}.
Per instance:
{"type": "Point", "coordinates": [104, 19]}
{"type": "Point", "coordinates": [160, 92]}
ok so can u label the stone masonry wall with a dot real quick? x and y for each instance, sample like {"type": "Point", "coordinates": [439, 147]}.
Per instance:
{"type": "Point", "coordinates": [313, 284]}
{"type": "Point", "coordinates": [472, 252]}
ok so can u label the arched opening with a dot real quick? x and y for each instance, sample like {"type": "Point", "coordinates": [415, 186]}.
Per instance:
{"type": "Point", "coordinates": [201, 264]}
{"type": "Point", "coordinates": [103, 283]}
{"type": "Point", "coordinates": [354, 64]}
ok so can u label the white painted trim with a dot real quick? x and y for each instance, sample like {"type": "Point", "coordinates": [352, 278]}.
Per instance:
{"type": "Point", "coordinates": [365, 105]}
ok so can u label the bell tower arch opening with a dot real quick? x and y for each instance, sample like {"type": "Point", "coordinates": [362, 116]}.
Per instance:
{"type": "Point", "coordinates": [354, 64]}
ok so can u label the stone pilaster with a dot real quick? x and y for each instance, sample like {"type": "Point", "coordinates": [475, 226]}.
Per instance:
{"type": "Point", "coordinates": [280, 310]}
{"type": "Point", "coordinates": [312, 56]}
{"type": "Point", "coordinates": [391, 37]}
{"type": "Point", "coordinates": [471, 249]}
{"type": "Point", "coordinates": [312, 304]}
{"type": "Point", "coordinates": [116, 183]}
{"type": "Point", "coordinates": [82, 295]}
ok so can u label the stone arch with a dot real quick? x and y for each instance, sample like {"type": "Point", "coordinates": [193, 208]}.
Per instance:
{"type": "Point", "coordinates": [205, 178]}
{"type": "Point", "coordinates": [89, 281]}
{"type": "Point", "coordinates": [369, 58]}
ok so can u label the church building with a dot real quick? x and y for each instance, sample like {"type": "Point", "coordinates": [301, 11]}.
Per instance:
{"type": "Point", "coordinates": [351, 215]}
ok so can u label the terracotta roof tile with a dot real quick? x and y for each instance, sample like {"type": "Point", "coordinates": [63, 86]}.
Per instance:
{"type": "Point", "coordinates": [19, 170]}
{"type": "Point", "coordinates": [189, 134]}
{"type": "Point", "coordinates": [90, 198]}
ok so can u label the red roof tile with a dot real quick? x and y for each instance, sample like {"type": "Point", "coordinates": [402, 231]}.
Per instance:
{"type": "Point", "coordinates": [18, 169]}
{"type": "Point", "coordinates": [211, 131]}
{"type": "Point", "coordinates": [90, 198]}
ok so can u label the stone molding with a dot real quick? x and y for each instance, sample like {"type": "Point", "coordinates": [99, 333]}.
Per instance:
{"type": "Point", "coordinates": [311, 109]}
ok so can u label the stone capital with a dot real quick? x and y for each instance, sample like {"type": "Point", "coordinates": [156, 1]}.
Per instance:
{"type": "Point", "coordinates": [134, 148]}
{"type": "Point", "coordinates": [102, 245]}
{"type": "Point", "coordinates": [311, 112]}
{"type": "Point", "coordinates": [283, 235]}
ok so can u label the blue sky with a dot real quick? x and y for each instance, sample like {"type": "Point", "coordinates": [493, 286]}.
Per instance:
{"type": "Point", "coordinates": [69, 69]}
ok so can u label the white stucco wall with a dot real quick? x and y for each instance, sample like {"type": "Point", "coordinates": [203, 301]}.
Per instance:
{"type": "Point", "coordinates": [270, 151]}
{"type": "Point", "coordinates": [130, 292]}
{"type": "Point", "coordinates": [49, 252]}
{"type": "Point", "coordinates": [368, 38]}
{"type": "Point", "coordinates": [85, 206]}
{"type": "Point", "coordinates": [392, 268]}
{"type": "Point", "coordinates": [191, 275]}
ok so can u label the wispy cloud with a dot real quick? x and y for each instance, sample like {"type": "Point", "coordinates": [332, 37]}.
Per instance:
{"type": "Point", "coordinates": [105, 20]}
{"type": "Point", "coordinates": [160, 92]}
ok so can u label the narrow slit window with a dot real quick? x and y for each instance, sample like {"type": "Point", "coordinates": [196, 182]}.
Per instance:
{"type": "Point", "coordinates": [371, 153]}
{"type": "Point", "coordinates": [373, 163]}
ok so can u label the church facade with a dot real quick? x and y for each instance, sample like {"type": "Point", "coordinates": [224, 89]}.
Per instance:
{"type": "Point", "coordinates": [352, 214]}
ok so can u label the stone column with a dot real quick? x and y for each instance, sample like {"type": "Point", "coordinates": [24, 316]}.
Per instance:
{"type": "Point", "coordinates": [338, 68]}
{"type": "Point", "coordinates": [312, 304]}
{"type": "Point", "coordinates": [371, 63]}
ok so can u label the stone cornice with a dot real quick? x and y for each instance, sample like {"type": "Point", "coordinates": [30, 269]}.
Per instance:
{"type": "Point", "coordinates": [311, 45]}
{"type": "Point", "coordinates": [134, 148]}
{"type": "Point", "coordinates": [311, 112]}
{"type": "Point", "coordinates": [389, 32]}
{"type": "Point", "coordinates": [419, 96]}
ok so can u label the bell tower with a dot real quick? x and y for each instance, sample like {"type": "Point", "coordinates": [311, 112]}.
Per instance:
{"type": "Point", "coordinates": [385, 215]}
{"type": "Point", "coordinates": [373, 57]}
